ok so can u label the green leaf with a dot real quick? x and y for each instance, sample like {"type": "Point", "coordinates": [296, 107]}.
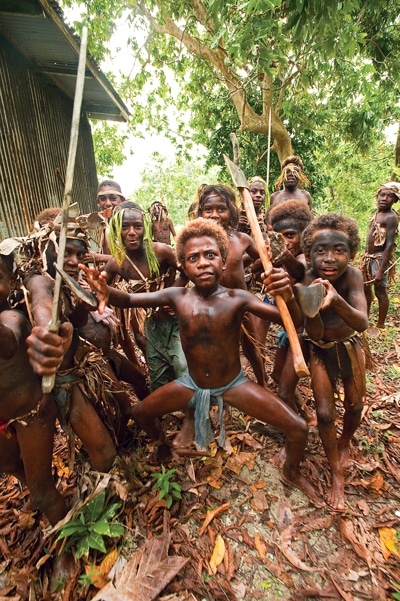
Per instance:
{"type": "Point", "coordinates": [94, 507]}
{"type": "Point", "coordinates": [95, 541]}
{"type": "Point", "coordinates": [110, 510]}
{"type": "Point", "coordinates": [83, 547]}
{"type": "Point", "coordinates": [101, 527]}
{"type": "Point", "coordinates": [116, 530]}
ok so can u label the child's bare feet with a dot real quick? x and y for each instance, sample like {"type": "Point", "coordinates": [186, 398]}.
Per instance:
{"type": "Point", "coordinates": [299, 481]}
{"type": "Point", "coordinates": [335, 495]}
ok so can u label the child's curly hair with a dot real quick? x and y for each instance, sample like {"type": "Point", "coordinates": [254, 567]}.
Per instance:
{"type": "Point", "coordinates": [202, 227]}
{"type": "Point", "coordinates": [228, 194]}
{"type": "Point", "coordinates": [295, 211]}
{"type": "Point", "coordinates": [332, 221]}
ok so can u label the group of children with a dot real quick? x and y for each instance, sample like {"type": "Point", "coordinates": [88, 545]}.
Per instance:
{"type": "Point", "coordinates": [199, 312]}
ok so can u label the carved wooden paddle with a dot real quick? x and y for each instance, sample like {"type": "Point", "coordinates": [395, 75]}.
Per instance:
{"type": "Point", "coordinates": [240, 182]}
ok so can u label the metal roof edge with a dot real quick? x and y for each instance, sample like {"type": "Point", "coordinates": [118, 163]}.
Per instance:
{"type": "Point", "coordinates": [74, 41]}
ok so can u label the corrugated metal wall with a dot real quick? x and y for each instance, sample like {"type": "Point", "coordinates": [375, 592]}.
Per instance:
{"type": "Point", "coordinates": [35, 123]}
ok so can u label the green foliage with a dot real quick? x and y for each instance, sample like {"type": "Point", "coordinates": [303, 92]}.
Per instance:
{"type": "Point", "coordinates": [352, 179]}
{"type": "Point", "coordinates": [168, 490]}
{"type": "Point", "coordinates": [94, 522]}
{"type": "Point", "coordinates": [173, 184]}
{"type": "Point", "coordinates": [328, 69]}
{"type": "Point", "coordinates": [108, 145]}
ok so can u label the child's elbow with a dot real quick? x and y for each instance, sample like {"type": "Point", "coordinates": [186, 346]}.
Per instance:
{"type": "Point", "coordinates": [363, 325]}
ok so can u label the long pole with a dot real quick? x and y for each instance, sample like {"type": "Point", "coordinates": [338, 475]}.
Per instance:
{"type": "Point", "coordinates": [269, 152]}
{"type": "Point", "coordinates": [48, 380]}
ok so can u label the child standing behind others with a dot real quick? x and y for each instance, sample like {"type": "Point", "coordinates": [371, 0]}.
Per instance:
{"type": "Point", "coordinates": [378, 259]}
{"type": "Point", "coordinates": [329, 243]}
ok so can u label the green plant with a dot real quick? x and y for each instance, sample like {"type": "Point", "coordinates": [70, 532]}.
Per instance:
{"type": "Point", "coordinates": [270, 583]}
{"type": "Point", "coordinates": [168, 490]}
{"type": "Point", "coordinates": [58, 584]}
{"type": "Point", "coordinates": [94, 522]}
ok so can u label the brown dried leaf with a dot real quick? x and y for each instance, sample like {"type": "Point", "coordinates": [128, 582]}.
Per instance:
{"type": "Point", "coordinates": [258, 485]}
{"type": "Point", "coordinates": [318, 524]}
{"type": "Point", "coordinates": [348, 534]}
{"type": "Point", "coordinates": [260, 545]}
{"type": "Point", "coordinates": [217, 556]}
{"type": "Point", "coordinates": [146, 574]}
{"type": "Point", "coordinates": [259, 502]}
{"type": "Point", "coordinates": [342, 593]}
{"type": "Point", "coordinates": [376, 482]}
{"type": "Point", "coordinates": [285, 547]}
{"type": "Point", "coordinates": [236, 462]}
{"type": "Point", "coordinates": [211, 515]}
{"type": "Point", "coordinates": [248, 440]}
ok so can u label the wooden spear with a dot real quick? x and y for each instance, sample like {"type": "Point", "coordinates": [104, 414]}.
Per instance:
{"type": "Point", "coordinates": [48, 380]}
{"type": "Point", "coordinates": [240, 182]}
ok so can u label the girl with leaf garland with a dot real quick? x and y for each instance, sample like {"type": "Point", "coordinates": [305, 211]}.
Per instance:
{"type": "Point", "coordinates": [140, 265]}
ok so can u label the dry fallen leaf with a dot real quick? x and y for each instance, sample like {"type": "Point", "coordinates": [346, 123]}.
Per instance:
{"type": "Point", "coordinates": [260, 545]}
{"type": "Point", "coordinates": [259, 501]}
{"type": "Point", "coordinates": [349, 535]}
{"type": "Point", "coordinates": [217, 556]}
{"type": "Point", "coordinates": [236, 462]}
{"type": "Point", "coordinates": [285, 547]}
{"type": "Point", "coordinates": [211, 515]}
{"type": "Point", "coordinates": [146, 574]}
{"type": "Point", "coordinates": [389, 543]}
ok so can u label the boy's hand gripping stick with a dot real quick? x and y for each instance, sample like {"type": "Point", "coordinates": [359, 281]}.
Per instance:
{"type": "Point", "coordinates": [240, 182]}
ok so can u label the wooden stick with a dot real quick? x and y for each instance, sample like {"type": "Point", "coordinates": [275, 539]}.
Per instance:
{"type": "Point", "coordinates": [48, 380]}
{"type": "Point", "coordinates": [241, 183]}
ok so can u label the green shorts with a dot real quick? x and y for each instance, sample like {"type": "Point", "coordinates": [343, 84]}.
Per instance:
{"type": "Point", "coordinates": [164, 354]}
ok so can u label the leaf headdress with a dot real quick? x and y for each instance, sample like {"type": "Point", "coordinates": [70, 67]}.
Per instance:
{"type": "Point", "coordinates": [116, 242]}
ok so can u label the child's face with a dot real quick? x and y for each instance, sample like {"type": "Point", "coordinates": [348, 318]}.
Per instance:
{"type": "Point", "coordinates": [385, 199]}
{"type": "Point", "coordinates": [215, 207]}
{"type": "Point", "coordinates": [292, 238]}
{"type": "Point", "coordinates": [203, 262]}
{"type": "Point", "coordinates": [108, 199]}
{"type": "Point", "coordinates": [329, 254]}
{"type": "Point", "coordinates": [257, 193]}
{"type": "Point", "coordinates": [75, 252]}
{"type": "Point", "coordinates": [6, 282]}
{"type": "Point", "coordinates": [291, 176]}
{"type": "Point", "coordinates": [132, 229]}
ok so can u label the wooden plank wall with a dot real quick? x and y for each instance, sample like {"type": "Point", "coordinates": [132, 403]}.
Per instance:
{"type": "Point", "coordinates": [35, 123]}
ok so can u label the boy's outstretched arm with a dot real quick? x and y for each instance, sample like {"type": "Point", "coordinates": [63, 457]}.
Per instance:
{"type": "Point", "coordinates": [106, 294]}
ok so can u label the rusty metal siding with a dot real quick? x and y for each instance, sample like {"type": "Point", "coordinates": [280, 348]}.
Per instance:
{"type": "Point", "coordinates": [35, 123]}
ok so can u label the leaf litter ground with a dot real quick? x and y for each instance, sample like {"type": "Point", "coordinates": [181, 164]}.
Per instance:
{"type": "Point", "coordinates": [238, 532]}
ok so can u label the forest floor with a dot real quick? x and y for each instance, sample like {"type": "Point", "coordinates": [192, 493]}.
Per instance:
{"type": "Point", "coordinates": [238, 532]}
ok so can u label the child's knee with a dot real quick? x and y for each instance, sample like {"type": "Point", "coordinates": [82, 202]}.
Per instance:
{"type": "Point", "coordinates": [326, 416]}
{"type": "Point", "coordinates": [103, 461]}
{"type": "Point", "coordinates": [354, 406]}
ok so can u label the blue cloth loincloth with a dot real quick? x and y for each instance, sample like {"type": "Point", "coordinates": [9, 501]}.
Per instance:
{"type": "Point", "coordinates": [201, 401]}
